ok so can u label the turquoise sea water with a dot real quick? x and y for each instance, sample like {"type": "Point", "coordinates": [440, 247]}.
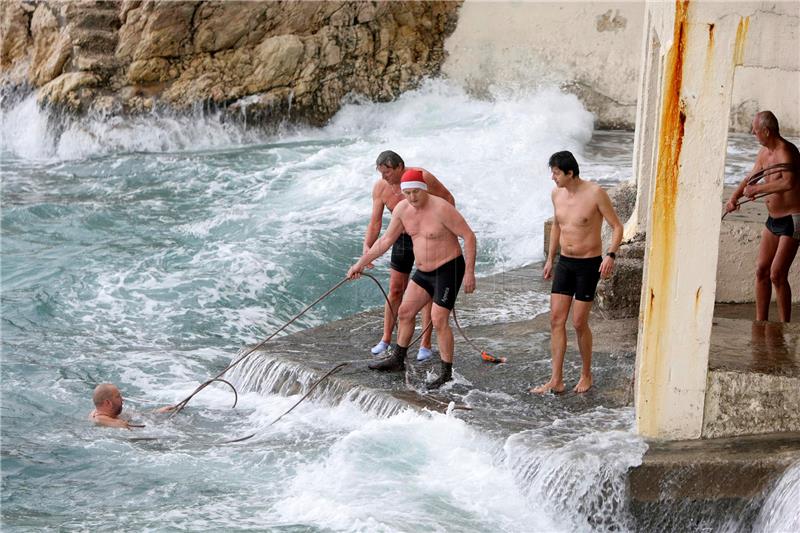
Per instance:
{"type": "Point", "coordinates": [147, 252]}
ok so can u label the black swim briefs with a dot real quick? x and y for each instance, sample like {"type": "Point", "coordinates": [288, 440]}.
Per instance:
{"type": "Point", "coordinates": [444, 282]}
{"type": "Point", "coordinates": [402, 254]}
{"type": "Point", "coordinates": [577, 277]}
{"type": "Point", "coordinates": [788, 226]}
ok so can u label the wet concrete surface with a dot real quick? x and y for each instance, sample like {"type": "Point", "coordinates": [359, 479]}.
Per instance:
{"type": "Point", "coordinates": [743, 345]}
{"type": "Point", "coordinates": [506, 317]}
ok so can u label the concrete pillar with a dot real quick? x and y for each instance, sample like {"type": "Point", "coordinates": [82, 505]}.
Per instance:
{"type": "Point", "coordinates": [644, 145]}
{"type": "Point", "coordinates": [701, 43]}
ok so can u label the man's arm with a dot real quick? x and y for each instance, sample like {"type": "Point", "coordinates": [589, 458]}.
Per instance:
{"type": "Point", "coordinates": [739, 192]}
{"type": "Point", "coordinates": [454, 221]}
{"type": "Point", "coordinates": [610, 215]}
{"type": "Point", "coordinates": [375, 219]}
{"type": "Point", "coordinates": [782, 181]}
{"type": "Point", "coordinates": [380, 246]}
{"type": "Point", "coordinates": [555, 237]}
{"type": "Point", "coordinates": [436, 188]}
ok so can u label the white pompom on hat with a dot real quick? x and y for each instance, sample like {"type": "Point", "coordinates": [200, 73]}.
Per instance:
{"type": "Point", "coordinates": [412, 179]}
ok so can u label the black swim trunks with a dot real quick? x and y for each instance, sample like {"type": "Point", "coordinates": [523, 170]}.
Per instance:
{"type": "Point", "coordinates": [788, 226]}
{"type": "Point", "coordinates": [402, 254]}
{"type": "Point", "coordinates": [577, 277]}
{"type": "Point", "coordinates": [444, 282]}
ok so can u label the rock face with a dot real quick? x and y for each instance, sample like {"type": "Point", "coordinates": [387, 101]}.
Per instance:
{"type": "Point", "coordinates": [258, 60]}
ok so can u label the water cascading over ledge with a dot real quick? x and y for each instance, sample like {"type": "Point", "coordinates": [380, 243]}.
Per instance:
{"type": "Point", "coordinates": [264, 374]}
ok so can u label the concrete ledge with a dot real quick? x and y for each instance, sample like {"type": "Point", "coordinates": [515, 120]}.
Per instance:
{"type": "Point", "coordinates": [753, 383]}
{"type": "Point", "coordinates": [749, 403]}
{"type": "Point", "coordinates": [711, 469]}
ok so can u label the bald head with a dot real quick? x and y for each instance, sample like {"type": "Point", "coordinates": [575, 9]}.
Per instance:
{"type": "Point", "coordinates": [766, 120]}
{"type": "Point", "coordinates": [107, 399]}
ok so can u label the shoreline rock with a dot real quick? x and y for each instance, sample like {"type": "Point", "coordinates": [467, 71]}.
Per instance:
{"type": "Point", "coordinates": [264, 62]}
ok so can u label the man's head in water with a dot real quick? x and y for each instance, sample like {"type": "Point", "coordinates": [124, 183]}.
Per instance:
{"type": "Point", "coordinates": [391, 166]}
{"type": "Point", "coordinates": [414, 187]}
{"type": "Point", "coordinates": [563, 167]}
{"type": "Point", "coordinates": [107, 400]}
{"type": "Point", "coordinates": [765, 127]}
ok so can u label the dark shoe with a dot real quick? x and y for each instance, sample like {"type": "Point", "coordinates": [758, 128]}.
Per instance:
{"type": "Point", "coordinates": [444, 377]}
{"type": "Point", "coordinates": [396, 362]}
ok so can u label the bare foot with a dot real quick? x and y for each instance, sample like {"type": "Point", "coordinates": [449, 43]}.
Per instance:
{"type": "Point", "coordinates": [555, 388]}
{"type": "Point", "coordinates": [584, 384]}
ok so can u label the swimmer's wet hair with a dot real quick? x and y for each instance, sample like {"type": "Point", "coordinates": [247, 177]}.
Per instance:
{"type": "Point", "coordinates": [565, 162]}
{"type": "Point", "coordinates": [389, 159]}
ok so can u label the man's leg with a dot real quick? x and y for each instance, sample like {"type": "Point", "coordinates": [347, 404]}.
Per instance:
{"type": "Point", "coordinates": [580, 319]}
{"type": "Point", "coordinates": [414, 299]}
{"type": "Point", "coordinates": [766, 252]}
{"type": "Point", "coordinates": [397, 286]}
{"type": "Point", "coordinates": [444, 334]}
{"type": "Point", "coordinates": [427, 333]}
{"type": "Point", "coordinates": [779, 276]}
{"type": "Point", "coordinates": [559, 310]}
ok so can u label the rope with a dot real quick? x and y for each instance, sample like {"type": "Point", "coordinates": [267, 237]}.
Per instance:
{"type": "Point", "coordinates": [306, 395]}
{"type": "Point", "coordinates": [746, 200]}
{"type": "Point", "coordinates": [180, 405]}
{"type": "Point", "coordinates": [755, 177]}
{"type": "Point", "coordinates": [455, 319]}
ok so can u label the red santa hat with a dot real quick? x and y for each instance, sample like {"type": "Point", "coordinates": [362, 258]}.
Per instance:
{"type": "Point", "coordinates": [412, 179]}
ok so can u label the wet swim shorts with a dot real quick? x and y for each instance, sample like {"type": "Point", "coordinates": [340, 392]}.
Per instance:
{"type": "Point", "coordinates": [788, 226]}
{"type": "Point", "coordinates": [577, 277]}
{"type": "Point", "coordinates": [443, 283]}
{"type": "Point", "coordinates": [402, 254]}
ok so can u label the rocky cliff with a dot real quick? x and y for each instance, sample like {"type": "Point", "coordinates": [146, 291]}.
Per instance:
{"type": "Point", "coordinates": [258, 60]}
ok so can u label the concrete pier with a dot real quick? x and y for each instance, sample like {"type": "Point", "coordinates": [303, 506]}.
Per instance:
{"type": "Point", "coordinates": [507, 316]}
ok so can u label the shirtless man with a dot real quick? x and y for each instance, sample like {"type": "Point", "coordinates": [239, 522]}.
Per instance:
{"type": "Point", "coordinates": [108, 406]}
{"type": "Point", "coordinates": [386, 193]}
{"type": "Point", "coordinates": [781, 236]}
{"type": "Point", "coordinates": [580, 207]}
{"type": "Point", "coordinates": [434, 226]}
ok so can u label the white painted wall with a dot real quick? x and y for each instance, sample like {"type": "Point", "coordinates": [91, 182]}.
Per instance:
{"type": "Point", "coordinates": [595, 49]}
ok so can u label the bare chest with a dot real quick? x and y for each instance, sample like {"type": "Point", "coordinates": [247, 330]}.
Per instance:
{"type": "Point", "coordinates": [424, 225]}
{"type": "Point", "coordinates": [391, 196]}
{"type": "Point", "coordinates": [576, 212]}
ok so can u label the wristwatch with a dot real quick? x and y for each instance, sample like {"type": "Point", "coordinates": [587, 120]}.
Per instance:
{"type": "Point", "coordinates": [612, 255]}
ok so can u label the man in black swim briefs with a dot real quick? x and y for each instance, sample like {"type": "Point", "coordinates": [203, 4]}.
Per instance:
{"type": "Point", "coordinates": [775, 175]}
{"type": "Point", "coordinates": [580, 207]}
{"type": "Point", "coordinates": [386, 194]}
{"type": "Point", "coordinates": [435, 227]}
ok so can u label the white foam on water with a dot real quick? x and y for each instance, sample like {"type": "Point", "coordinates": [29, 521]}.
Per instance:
{"type": "Point", "coordinates": [410, 472]}
{"type": "Point", "coordinates": [781, 509]}
{"type": "Point", "coordinates": [222, 232]}
{"type": "Point", "coordinates": [575, 468]}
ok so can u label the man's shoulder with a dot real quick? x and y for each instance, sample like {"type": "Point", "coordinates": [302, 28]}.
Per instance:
{"type": "Point", "coordinates": [788, 151]}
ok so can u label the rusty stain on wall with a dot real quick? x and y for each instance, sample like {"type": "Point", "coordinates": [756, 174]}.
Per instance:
{"type": "Point", "coordinates": [697, 299]}
{"type": "Point", "coordinates": [662, 243]}
{"type": "Point", "coordinates": [741, 39]}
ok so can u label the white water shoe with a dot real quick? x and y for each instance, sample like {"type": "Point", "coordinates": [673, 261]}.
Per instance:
{"type": "Point", "coordinates": [424, 354]}
{"type": "Point", "coordinates": [379, 348]}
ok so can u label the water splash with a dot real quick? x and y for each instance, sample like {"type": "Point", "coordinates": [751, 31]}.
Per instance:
{"type": "Point", "coordinates": [780, 510]}
{"type": "Point", "coordinates": [578, 467]}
